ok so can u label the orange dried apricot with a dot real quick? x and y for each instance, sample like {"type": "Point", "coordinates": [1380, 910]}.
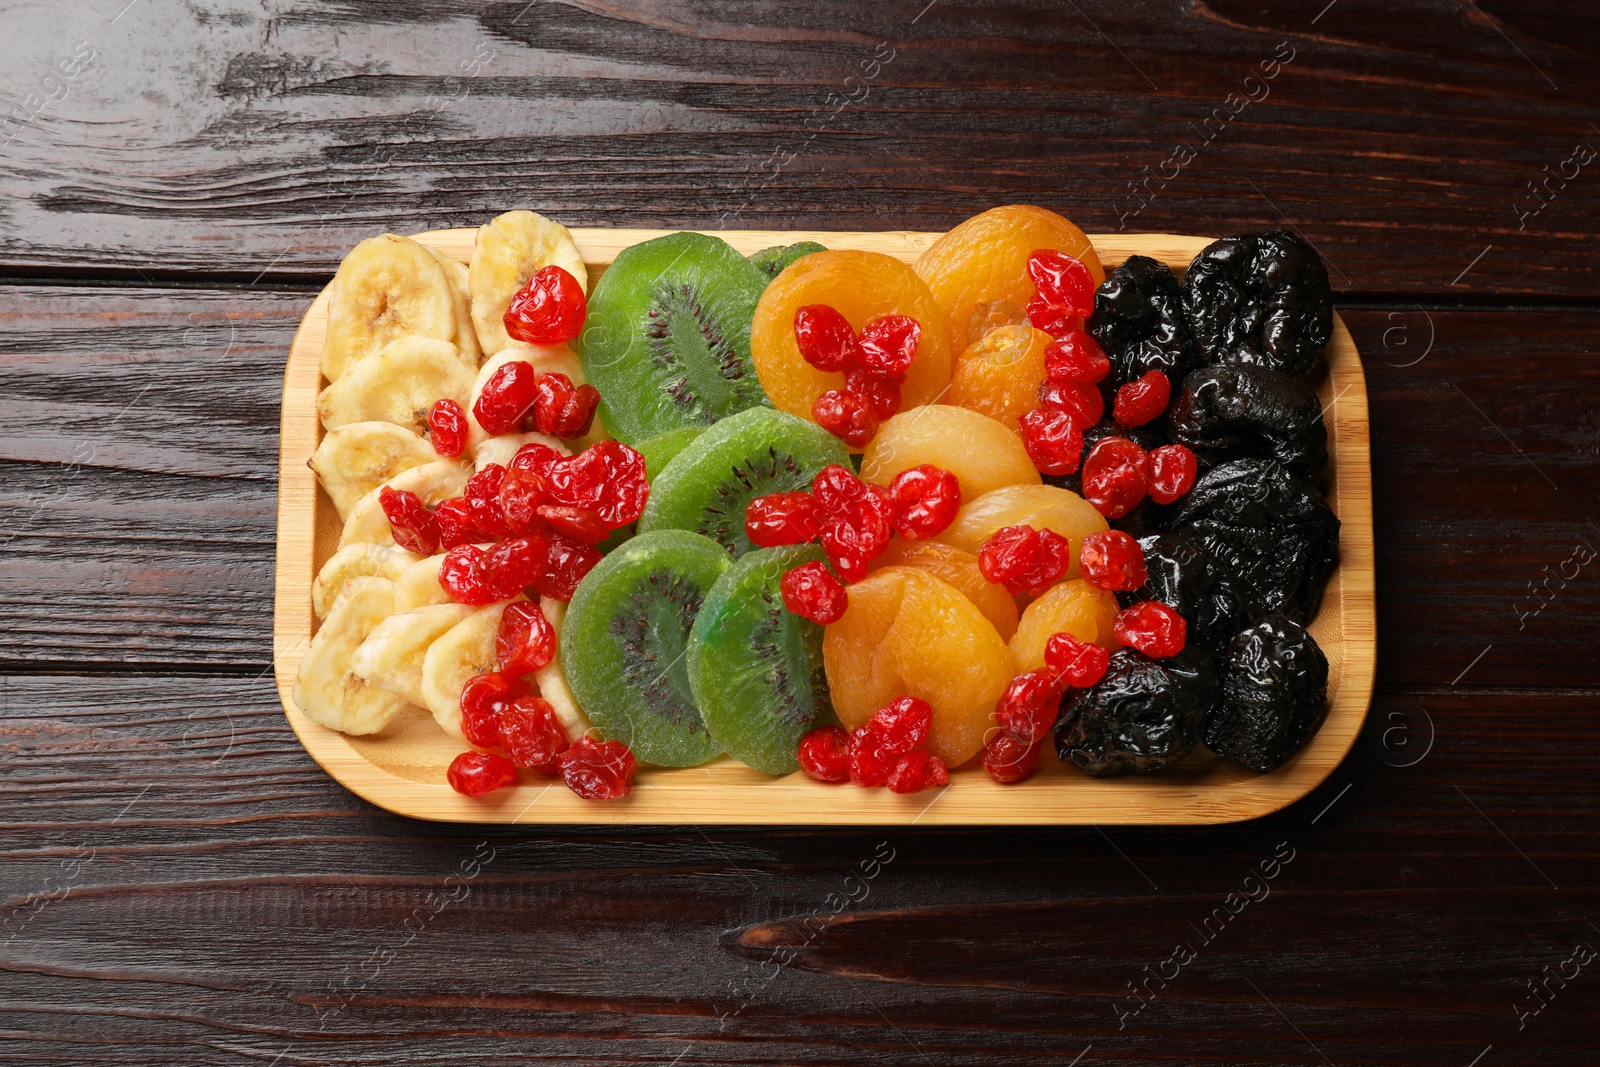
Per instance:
{"type": "Point", "coordinates": [999, 375]}
{"type": "Point", "coordinates": [960, 569]}
{"type": "Point", "coordinates": [1073, 607]}
{"type": "Point", "coordinates": [1040, 506]}
{"type": "Point", "coordinates": [861, 286]}
{"type": "Point", "coordinates": [978, 272]}
{"type": "Point", "coordinates": [906, 633]}
{"type": "Point", "coordinates": [980, 452]}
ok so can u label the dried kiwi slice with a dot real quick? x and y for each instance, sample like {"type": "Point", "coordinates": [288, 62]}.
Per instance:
{"type": "Point", "coordinates": [772, 261]}
{"type": "Point", "coordinates": [707, 486]}
{"type": "Point", "coordinates": [625, 639]}
{"type": "Point", "coordinates": [667, 341]}
{"type": "Point", "coordinates": [754, 667]}
{"type": "Point", "coordinates": [659, 451]}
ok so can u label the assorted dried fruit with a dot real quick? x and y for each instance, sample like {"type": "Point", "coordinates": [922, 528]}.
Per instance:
{"type": "Point", "coordinates": [635, 534]}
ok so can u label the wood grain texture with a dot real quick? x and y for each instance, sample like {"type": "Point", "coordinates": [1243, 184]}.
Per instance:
{"type": "Point", "coordinates": [250, 138]}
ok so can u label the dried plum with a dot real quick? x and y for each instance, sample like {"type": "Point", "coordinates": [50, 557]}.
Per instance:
{"type": "Point", "coordinates": [1275, 532]}
{"type": "Point", "coordinates": [1143, 715]}
{"type": "Point", "coordinates": [1139, 320]}
{"type": "Point", "coordinates": [1274, 695]}
{"type": "Point", "coordinates": [1202, 589]}
{"type": "Point", "coordinates": [1261, 298]}
{"type": "Point", "coordinates": [1240, 410]}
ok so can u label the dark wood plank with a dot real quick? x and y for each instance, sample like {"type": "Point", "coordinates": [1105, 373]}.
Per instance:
{"type": "Point", "coordinates": [1401, 138]}
{"type": "Point", "coordinates": [218, 899]}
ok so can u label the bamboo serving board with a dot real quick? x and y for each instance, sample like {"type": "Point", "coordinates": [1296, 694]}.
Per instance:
{"type": "Point", "coordinates": [403, 767]}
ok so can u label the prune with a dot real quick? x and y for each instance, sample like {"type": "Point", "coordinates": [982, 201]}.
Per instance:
{"type": "Point", "coordinates": [1274, 695]}
{"type": "Point", "coordinates": [1275, 532]}
{"type": "Point", "coordinates": [1140, 322]}
{"type": "Point", "coordinates": [1261, 298]}
{"type": "Point", "coordinates": [1182, 575]}
{"type": "Point", "coordinates": [1240, 410]}
{"type": "Point", "coordinates": [1143, 715]}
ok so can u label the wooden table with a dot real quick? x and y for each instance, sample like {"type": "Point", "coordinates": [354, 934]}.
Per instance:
{"type": "Point", "coordinates": [183, 885]}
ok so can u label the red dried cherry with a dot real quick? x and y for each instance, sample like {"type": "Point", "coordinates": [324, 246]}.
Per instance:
{"type": "Point", "coordinates": [1151, 627]}
{"type": "Point", "coordinates": [846, 415]}
{"type": "Point", "coordinates": [447, 426]}
{"type": "Point", "coordinates": [1142, 399]}
{"type": "Point", "coordinates": [1008, 760]}
{"type": "Point", "coordinates": [925, 501]}
{"type": "Point", "coordinates": [482, 496]}
{"type": "Point", "coordinates": [1053, 440]}
{"type": "Point", "coordinates": [581, 523]}
{"type": "Point", "coordinates": [569, 561]}
{"type": "Point", "coordinates": [902, 725]}
{"type": "Point", "coordinates": [548, 310]}
{"type": "Point", "coordinates": [825, 338]}
{"type": "Point", "coordinates": [484, 698]}
{"type": "Point", "coordinates": [525, 642]}
{"type": "Point", "coordinates": [888, 344]}
{"type": "Point", "coordinates": [1083, 402]}
{"type": "Point", "coordinates": [532, 735]}
{"type": "Point", "coordinates": [506, 398]}
{"type": "Point", "coordinates": [1079, 663]}
{"type": "Point", "coordinates": [857, 533]}
{"type": "Point", "coordinates": [869, 764]}
{"type": "Point", "coordinates": [916, 771]}
{"type": "Point", "coordinates": [1112, 560]}
{"type": "Point", "coordinates": [812, 592]}
{"type": "Point", "coordinates": [598, 771]}
{"type": "Point", "coordinates": [562, 409]}
{"type": "Point", "coordinates": [825, 754]}
{"type": "Point", "coordinates": [414, 526]}
{"type": "Point", "coordinates": [475, 773]}
{"type": "Point", "coordinates": [1114, 476]}
{"type": "Point", "coordinates": [1029, 707]}
{"type": "Point", "coordinates": [608, 478]}
{"type": "Point", "coordinates": [522, 491]}
{"type": "Point", "coordinates": [1008, 553]}
{"type": "Point", "coordinates": [782, 519]}
{"type": "Point", "coordinates": [460, 578]}
{"type": "Point", "coordinates": [513, 565]}
{"type": "Point", "coordinates": [454, 519]}
{"type": "Point", "coordinates": [1076, 357]}
{"type": "Point", "coordinates": [1063, 292]}
{"type": "Point", "coordinates": [835, 487]}
{"type": "Point", "coordinates": [1050, 564]}
{"type": "Point", "coordinates": [882, 395]}
{"type": "Point", "coordinates": [1172, 472]}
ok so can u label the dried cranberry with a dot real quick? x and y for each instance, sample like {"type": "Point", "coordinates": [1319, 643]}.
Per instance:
{"type": "Point", "coordinates": [846, 415]}
{"type": "Point", "coordinates": [447, 426]}
{"type": "Point", "coordinates": [1083, 402]}
{"type": "Point", "coordinates": [858, 532]}
{"type": "Point", "coordinates": [1114, 476]}
{"type": "Point", "coordinates": [1063, 292]}
{"type": "Point", "coordinates": [888, 345]}
{"type": "Point", "coordinates": [569, 561]}
{"type": "Point", "coordinates": [825, 338]}
{"type": "Point", "coordinates": [916, 771]}
{"type": "Point", "coordinates": [506, 398]}
{"type": "Point", "coordinates": [825, 754]}
{"type": "Point", "coordinates": [1172, 473]}
{"type": "Point", "coordinates": [1053, 439]}
{"type": "Point", "coordinates": [925, 501]}
{"type": "Point", "coordinates": [548, 310]}
{"type": "Point", "coordinates": [460, 578]}
{"type": "Point", "coordinates": [1142, 400]}
{"type": "Point", "coordinates": [1008, 760]}
{"type": "Point", "coordinates": [1152, 628]}
{"type": "Point", "coordinates": [881, 394]}
{"type": "Point", "coordinates": [598, 771]}
{"type": "Point", "coordinates": [782, 519]}
{"type": "Point", "coordinates": [414, 526]}
{"type": "Point", "coordinates": [475, 773]}
{"type": "Point", "coordinates": [1076, 357]}
{"type": "Point", "coordinates": [1079, 663]}
{"type": "Point", "coordinates": [525, 642]}
{"type": "Point", "coordinates": [812, 592]}
{"type": "Point", "coordinates": [484, 698]}
{"type": "Point", "coordinates": [1028, 709]}
{"type": "Point", "coordinates": [1113, 560]}
{"type": "Point", "coordinates": [532, 735]}
{"type": "Point", "coordinates": [582, 523]}
{"type": "Point", "coordinates": [482, 495]}
{"type": "Point", "coordinates": [454, 519]}
{"type": "Point", "coordinates": [562, 409]}
{"type": "Point", "coordinates": [1008, 553]}
{"type": "Point", "coordinates": [869, 764]}
{"type": "Point", "coordinates": [902, 725]}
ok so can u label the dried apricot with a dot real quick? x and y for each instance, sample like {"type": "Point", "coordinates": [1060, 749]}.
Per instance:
{"type": "Point", "coordinates": [949, 564]}
{"type": "Point", "coordinates": [980, 452]}
{"type": "Point", "coordinates": [1040, 506]}
{"type": "Point", "coordinates": [906, 633]}
{"type": "Point", "coordinates": [999, 375]}
{"type": "Point", "coordinates": [1073, 607]}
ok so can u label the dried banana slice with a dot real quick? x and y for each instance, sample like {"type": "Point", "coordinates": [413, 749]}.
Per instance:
{"type": "Point", "coordinates": [356, 458]}
{"type": "Point", "coordinates": [507, 253]}
{"type": "Point", "coordinates": [432, 482]}
{"type": "Point", "coordinates": [353, 562]}
{"type": "Point", "coordinates": [398, 384]}
{"type": "Point", "coordinates": [386, 287]}
{"type": "Point", "coordinates": [466, 337]}
{"type": "Point", "coordinates": [327, 690]}
{"type": "Point", "coordinates": [552, 680]}
{"type": "Point", "coordinates": [391, 656]}
{"type": "Point", "coordinates": [418, 585]}
{"type": "Point", "coordinates": [466, 649]}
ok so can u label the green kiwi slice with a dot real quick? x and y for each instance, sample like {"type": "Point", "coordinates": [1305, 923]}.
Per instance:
{"type": "Point", "coordinates": [755, 668]}
{"type": "Point", "coordinates": [660, 450]}
{"type": "Point", "coordinates": [667, 339]}
{"type": "Point", "coordinates": [625, 641]}
{"type": "Point", "coordinates": [772, 261]}
{"type": "Point", "coordinates": [707, 486]}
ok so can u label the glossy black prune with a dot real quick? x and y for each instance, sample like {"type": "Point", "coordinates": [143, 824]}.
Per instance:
{"type": "Point", "coordinates": [1140, 322]}
{"type": "Point", "coordinates": [1261, 298]}
{"type": "Point", "coordinates": [1143, 715]}
{"type": "Point", "coordinates": [1275, 532]}
{"type": "Point", "coordinates": [1241, 410]}
{"type": "Point", "coordinates": [1195, 584]}
{"type": "Point", "coordinates": [1274, 695]}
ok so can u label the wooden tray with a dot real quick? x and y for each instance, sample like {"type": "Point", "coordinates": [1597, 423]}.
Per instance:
{"type": "Point", "coordinates": [403, 767]}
